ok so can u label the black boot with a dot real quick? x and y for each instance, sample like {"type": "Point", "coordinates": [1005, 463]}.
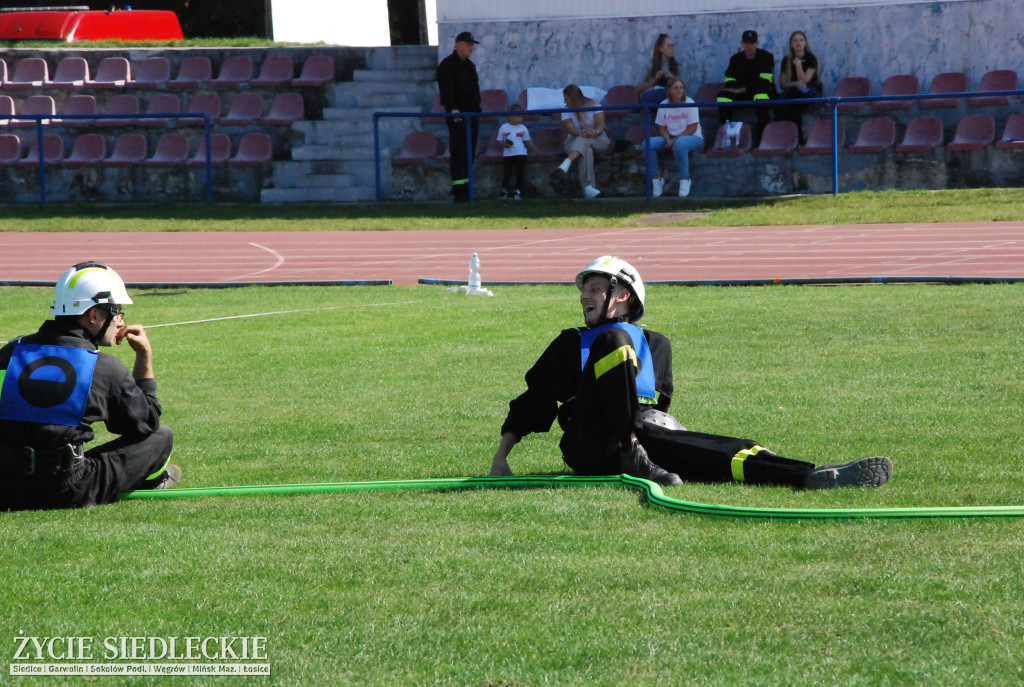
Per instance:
{"type": "Point", "coordinates": [634, 462]}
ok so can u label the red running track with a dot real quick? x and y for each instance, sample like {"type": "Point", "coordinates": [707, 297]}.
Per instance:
{"type": "Point", "coordinates": [991, 250]}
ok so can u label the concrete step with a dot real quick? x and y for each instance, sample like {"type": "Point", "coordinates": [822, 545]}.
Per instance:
{"type": "Point", "coordinates": [333, 113]}
{"type": "Point", "coordinates": [321, 152]}
{"type": "Point", "coordinates": [395, 76]}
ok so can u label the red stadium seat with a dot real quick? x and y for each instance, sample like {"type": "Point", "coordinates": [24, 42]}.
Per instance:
{"type": "Point", "coordinates": [208, 103]}
{"type": "Point", "coordinates": [245, 108]}
{"type": "Point", "coordinates": [417, 147]}
{"type": "Point", "coordinates": [152, 72]}
{"type": "Point", "coordinates": [522, 100]}
{"type": "Point", "coordinates": [87, 150]}
{"type": "Point", "coordinates": [1013, 133]}
{"type": "Point", "coordinates": [819, 140]}
{"type": "Point", "coordinates": [778, 138]}
{"type": "Point", "coordinates": [317, 70]}
{"type": "Point", "coordinates": [285, 108]}
{"type": "Point", "coordinates": [34, 105]}
{"type": "Point", "coordinates": [275, 71]}
{"type": "Point", "coordinates": [493, 100]}
{"type": "Point", "coordinates": [3, 71]}
{"type": "Point", "coordinates": [254, 149]}
{"type": "Point", "coordinates": [708, 93]}
{"type": "Point", "coordinates": [220, 151]}
{"type": "Point", "coordinates": [162, 104]}
{"type": "Point", "coordinates": [194, 71]}
{"type": "Point", "coordinates": [10, 149]}
{"type": "Point", "coordinates": [435, 107]}
{"type": "Point", "coordinates": [551, 143]}
{"type": "Point", "coordinates": [72, 72]}
{"type": "Point", "coordinates": [973, 132]}
{"type": "Point", "coordinates": [922, 134]}
{"type": "Point", "coordinates": [235, 71]}
{"type": "Point", "coordinates": [113, 72]}
{"type": "Point", "coordinates": [721, 147]}
{"type": "Point", "coordinates": [996, 80]}
{"type": "Point", "coordinates": [171, 151]}
{"type": "Point", "coordinates": [81, 104]}
{"type": "Point", "coordinates": [876, 135]}
{"type": "Point", "coordinates": [492, 149]}
{"type": "Point", "coordinates": [31, 72]}
{"type": "Point", "coordinates": [120, 104]}
{"type": "Point", "coordinates": [947, 82]}
{"type": "Point", "coordinates": [621, 94]}
{"type": "Point", "coordinates": [6, 109]}
{"type": "Point", "coordinates": [129, 150]}
{"type": "Point", "coordinates": [852, 87]}
{"type": "Point", "coordinates": [53, 151]}
{"type": "Point", "coordinates": [901, 84]}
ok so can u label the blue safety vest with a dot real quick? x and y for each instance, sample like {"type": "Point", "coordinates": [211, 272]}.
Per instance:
{"type": "Point", "coordinates": [47, 384]}
{"type": "Point", "coordinates": [645, 387]}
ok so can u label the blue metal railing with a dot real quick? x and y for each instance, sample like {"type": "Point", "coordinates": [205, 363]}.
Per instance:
{"type": "Point", "coordinates": [55, 120]}
{"type": "Point", "coordinates": [832, 103]}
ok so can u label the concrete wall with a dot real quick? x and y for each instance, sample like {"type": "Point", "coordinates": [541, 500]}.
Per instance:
{"type": "Point", "coordinates": [873, 41]}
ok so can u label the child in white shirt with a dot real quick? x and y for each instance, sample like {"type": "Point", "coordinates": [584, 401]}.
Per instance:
{"type": "Point", "coordinates": [515, 138]}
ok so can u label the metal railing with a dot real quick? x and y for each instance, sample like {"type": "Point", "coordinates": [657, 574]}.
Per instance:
{"type": "Point", "coordinates": [55, 120]}
{"type": "Point", "coordinates": [832, 103]}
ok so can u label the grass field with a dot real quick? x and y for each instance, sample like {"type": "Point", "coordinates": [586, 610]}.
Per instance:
{"type": "Point", "coordinates": [576, 586]}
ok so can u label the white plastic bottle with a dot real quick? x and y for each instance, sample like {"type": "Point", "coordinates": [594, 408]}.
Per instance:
{"type": "Point", "coordinates": [474, 272]}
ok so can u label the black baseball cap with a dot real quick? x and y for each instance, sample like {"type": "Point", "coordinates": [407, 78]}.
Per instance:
{"type": "Point", "coordinates": [466, 37]}
{"type": "Point", "coordinates": [749, 36]}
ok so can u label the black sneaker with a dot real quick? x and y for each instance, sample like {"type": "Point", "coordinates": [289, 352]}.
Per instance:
{"type": "Point", "coordinates": [866, 472]}
{"type": "Point", "coordinates": [172, 475]}
{"type": "Point", "coordinates": [635, 462]}
{"type": "Point", "coordinates": [503, 194]}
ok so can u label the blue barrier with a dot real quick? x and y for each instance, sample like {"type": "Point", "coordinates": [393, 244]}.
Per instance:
{"type": "Point", "coordinates": [832, 103]}
{"type": "Point", "coordinates": [39, 119]}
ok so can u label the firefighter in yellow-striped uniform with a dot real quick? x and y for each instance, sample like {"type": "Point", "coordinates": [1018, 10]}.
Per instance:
{"type": "Point", "coordinates": [609, 384]}
{"type": "Point", "coordinates": [749, 76]}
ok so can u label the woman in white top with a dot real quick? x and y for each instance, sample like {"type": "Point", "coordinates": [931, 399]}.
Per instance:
{"type": "Point", "coordinates": [680, 132]}
{"type": "Point", "coordinates": [586, 136]}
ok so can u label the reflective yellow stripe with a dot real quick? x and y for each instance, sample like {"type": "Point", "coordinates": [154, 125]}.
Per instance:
{"type": "Point", "coordinates": [80, 273]}
{"type": "Point", "coordinates": [724, 100]}
{"type": "Point", "coordinates": [761, 96]}
{"type": "Point", "coordinates": [728, 79]}
{"type": "Point", "coordinates": [616, 357]}
{"type": "Point", "coordinates": [768, 76]}
{"type": "Point", "coordinates": [737, 461]}
{"type": "Point", "coordinates": [160, 471]}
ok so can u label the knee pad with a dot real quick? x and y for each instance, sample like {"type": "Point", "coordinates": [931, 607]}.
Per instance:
{"type": "Point", "coordinates": [653, 417]}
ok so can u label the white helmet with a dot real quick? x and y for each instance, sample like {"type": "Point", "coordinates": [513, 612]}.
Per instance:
{"type": "Point", "coordinates": [85, 285]}
{"type": "Point", "coordinates": [620, 272]}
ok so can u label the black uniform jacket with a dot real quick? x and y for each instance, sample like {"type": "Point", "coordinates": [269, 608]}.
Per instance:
{"type": "Point", "coordinates": [748, 73]}
{"type": "Point", "coordinates": [125, 406]}
{"type": "Point", "coordinates": [555, 377]}
{"type": "Point", "coordinates": [458, 84]}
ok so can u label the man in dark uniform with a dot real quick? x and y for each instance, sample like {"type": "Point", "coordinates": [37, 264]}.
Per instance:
{"type": "Point", "coordinates": [610, 385]}
{"type": "Point", "coordinates": [459, 86]}
{"type": "Point", "coordinates": [55, 384]}
{"type": "Point", "coordinates": [749, 76]}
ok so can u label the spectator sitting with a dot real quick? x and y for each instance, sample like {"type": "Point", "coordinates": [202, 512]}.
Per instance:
{"type": "Point", "coordinates": [799, 77]}
{"type": "Point", "coordinates": [680, 132]}
{"type": "Point", "coordinates": [663, 67]}
{"type": "Point", "coordinates": [586, 137]}
{"type": "Point", "coordinates": [515, 138]}
{"type": "Point", "coordinates": [749, 76]}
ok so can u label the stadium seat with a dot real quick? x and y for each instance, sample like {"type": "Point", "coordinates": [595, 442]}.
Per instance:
{"type": "Point", "coordinates": [152, 72]}
{"type": "Point", "coordinates": [171, 151]}
{"type": "Point", "coordinates": [996, 80]}
{"type": "Point", "coordinates": [6, 109]}
{"type": "Point", "coordinates": [417, 147]}
{"type": "Point", "coordinates": [71, 72]}
{"type": "Point", "coordinates": [721, 148]}
{"type": "Point", "coordinates": [208, 103]}
{"type": "Point", "coordinates": [34, 105]}
{"type": "Point", "coordinates": [435, 107]}
{"type": "Point", "coordinates": [120, 104]}
{"type": "Point", "coordinates": [245, 108]}
{"type": "Point", "coordinates": [493, 100]}
{"type": "Point", "coordinates": [80, 104]}
{"type": "Point", "coordinates": [852, 87]}
{"type": "Point", "coordinates": [551, 143]}
{"type": "Point", "coordinates": [10, 149]}
{"type": "Point", "coordinates": [53, 151]}
{"type": "Point", "coordinates": [194, 71]}
{"type": "Point", "coordinates": [220, 151]}
{"type": "Point", "coordinates": [778, 138]}
{"type": "Point", "coordinates": [317, 70]}
{"type": "Point", "coordinates": [31, 72]}
{"type": "Point", "coordinates": [254, 149]}
{"type": "Point", "coordinates": [491, 150]}
{"type": "Point", "coordinates": [1013, 133]}
{"type": "Point", "coordinates": [922, 134]}
{"type": "Point", "coordinates": [285, 108]}
{"type": "Point", "coordinates": [708, 93]}
{"type": "Point", "coordinates": [235, 71]}
{"type": "Point", "coordinates": [275, 71]}
{"type": "Point", "coordinates": [622, 94]}
{"type": "Point", "coordinates": [876, 135]}
{"type": "Point", "coordinates": [129, 150]}
{"type": "Point", "coordinates": [88, 149]}
{"type": "Point", "coordinates": [113, 72]}
{"type": "Point", "coordinates": [3, 71]}
{"type": "Point", "coordinates": [819, 140]}
{"type": "Point", "coordinates": [901, 84]}
{"type": "Point", "coordinates": [161, 104]}
{"type": "Point", "coordinates": [973, 132]}
{"type": "Point", "coordinates": [947, 82]}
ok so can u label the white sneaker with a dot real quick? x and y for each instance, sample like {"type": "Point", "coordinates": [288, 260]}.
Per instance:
{"type": "Point", "coordinates": [565, 165]}
{"type": "Point", "coordinates": [657, 186]}
{"type": "Point", "coordinates": [591, 192]}
{"type": "Point", "coordinates": [684, 187]}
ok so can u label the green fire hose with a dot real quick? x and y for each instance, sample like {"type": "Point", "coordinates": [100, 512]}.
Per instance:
{"type": "Point", "coordinates": [650, 492]}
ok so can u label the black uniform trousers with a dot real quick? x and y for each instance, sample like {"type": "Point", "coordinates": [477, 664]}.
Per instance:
{"type": "Point", "coordinates": [458, 163]}
{"type": "Point", "coordinates": [599, 421]}
{"type": "Point", "coordinates": [122, 465]}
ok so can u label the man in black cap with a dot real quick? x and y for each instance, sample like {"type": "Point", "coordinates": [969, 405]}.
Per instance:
{"type": "Point", "coordinates": [459, 86]}
{"type": "Point", "coordinates": [749, 76]}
